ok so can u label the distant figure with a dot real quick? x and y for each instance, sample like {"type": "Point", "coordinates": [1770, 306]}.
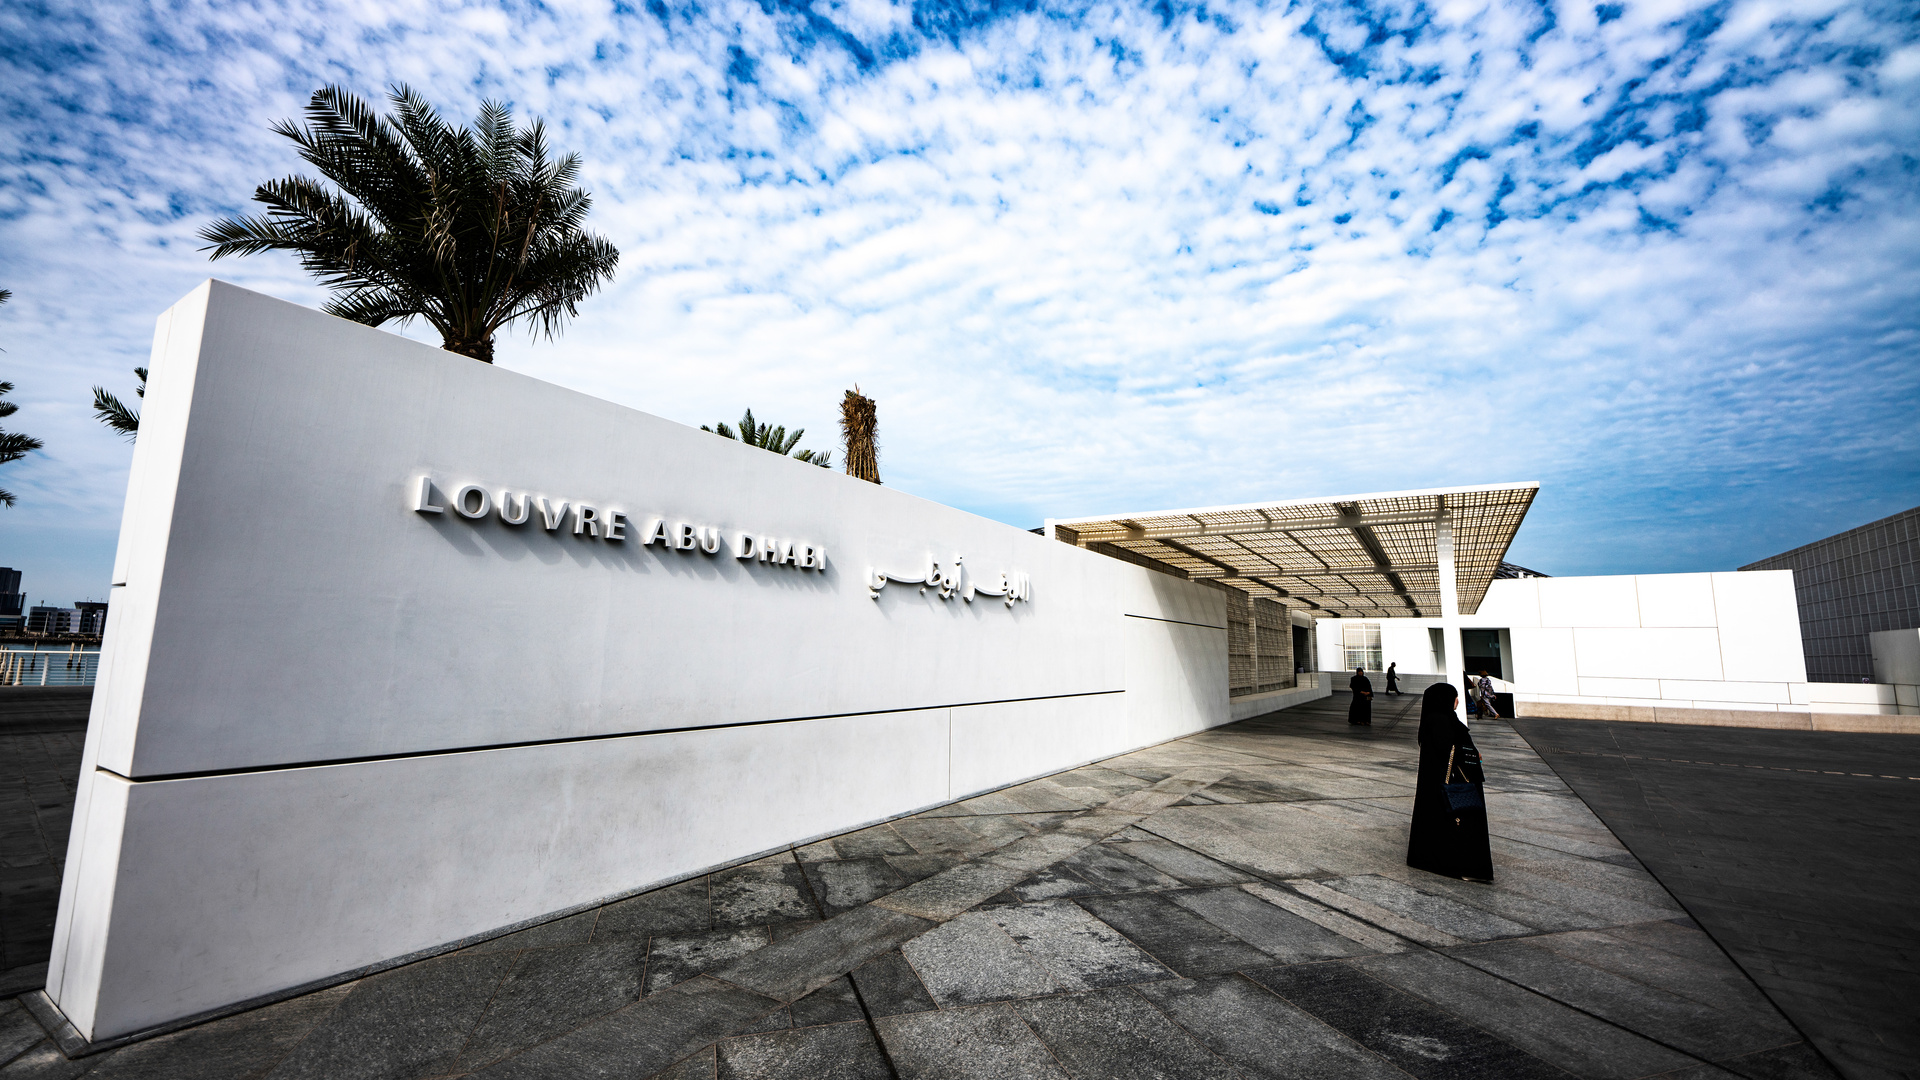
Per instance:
{"type": "Point", "coordinates": [1393, 679]}
{"type": "Point", "coordinates": [1449, 833]}
{"type": "Point", "coordinates": [1361, 711]}
{"type": "Point", "coordinates": [1484, 690]}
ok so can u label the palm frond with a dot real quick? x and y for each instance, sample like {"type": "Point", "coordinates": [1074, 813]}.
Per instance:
{"type": "Point", "coordinates": [14, 446]}
{"type": "Point", "coordinates": [115, 415]}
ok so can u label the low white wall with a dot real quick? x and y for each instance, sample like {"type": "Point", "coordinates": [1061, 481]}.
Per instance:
{"type": "Point", "coordinates": [1312, 686]}
{"type": "Point", "coordinates": [332, 729]}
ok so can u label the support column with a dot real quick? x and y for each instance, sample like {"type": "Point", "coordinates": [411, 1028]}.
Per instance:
{"type": "Point", "coordinates": [1456, 658]}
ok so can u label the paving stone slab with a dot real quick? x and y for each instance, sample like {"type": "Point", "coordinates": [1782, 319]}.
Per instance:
{"type": "Point", "coordinates": [18, 1030]}
{"type": "Point", "coordinates": [407, 1022]}
{"type": "Point", "coordinates": [1275, 931]}
{"type": "Point", "coordinates": [676, 909]}
{"type": "Point", "coordinates": [970, 959]}
{"type": "Point", "coordinates": [890, 987]}
{"type": "Point", "coordinates": [1460, 920]}
{"type": "Point", "coordinates": [836, 1052]}
{"type": "Point", "coordinates": [551, 991]}
{"type": "Point", "coordinates": [701, 1066]}
{"type": "Point", "coordinates": [1079, 951]}
{"type": "Point", "coordinates": [643, 1038]}
{"type": "Point", "coordinates": [1413, 1035]}
{"type": "Point", "coordinates": [1188, 866]}
{"type": "Point", "coordinates": [990, 1042]}
{"type": "Point", "coordinates": [809, 960]}
{"type": "Point", "coordinates": [845, 884]}
{"type": "Point", "coordinates": [245, 1045]}
{"type": "Point", "coordinates": [1110, 870]}
{"type": "Point", "coordinates": [761, 893]}
{"type": "Point", "coordinates": [1554, 1033]}
{"type": "Point", "coordinates": [1677, 1021]}
{"type": "Point", "coordinates": [1261, 1035]}
{"type": "Point", "coordinates": [877, 840]}
{"type": "Point", "coordinates": [675, 958]}
{"type": "Point", "coordinates": [1118, 1033]}
{"type": "Point", "coordinates": [44, 1061]}
{"type": "Point", "coordinates": [1174, 936]}
{"type": "Point", "coordinates": [1699, 974]}
{"type": "Point", "coordinates": [1370, 938]}
{"type": "Point", "coordinates": [833, 1003]}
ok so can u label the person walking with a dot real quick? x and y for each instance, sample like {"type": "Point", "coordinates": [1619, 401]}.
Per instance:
{"type": "Point", "coordinates": [1448, 835]}
{"type": "Point", "coordinates": [1393, 679]}
{"type": "Point", "coordinates": [1484, 691]}
{"type": "Point", "coordinates": [1360, 713]}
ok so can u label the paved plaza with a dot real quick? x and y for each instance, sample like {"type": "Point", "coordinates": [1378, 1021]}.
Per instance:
{"type": "Point", "coordinates": [1795, 849]}
{"type": "Point", "coordinates": [1232, 904]}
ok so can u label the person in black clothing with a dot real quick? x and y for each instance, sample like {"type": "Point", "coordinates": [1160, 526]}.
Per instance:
{"type": "Point", "coordinates": [1449, 833]}
{"type": "Point", "coordinates": [1393, 679]}
{"type": "Point", "coordinates": [1361, 711]}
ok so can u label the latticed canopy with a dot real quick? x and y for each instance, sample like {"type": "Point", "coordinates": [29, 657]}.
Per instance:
{"type": "Point", "coordinates": [1356, 556]}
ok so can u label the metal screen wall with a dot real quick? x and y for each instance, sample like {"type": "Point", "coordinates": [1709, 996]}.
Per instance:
{"type": "Point", "coordinates": [1259, 645]}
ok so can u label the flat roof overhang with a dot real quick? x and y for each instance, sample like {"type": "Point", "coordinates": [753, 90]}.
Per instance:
{"type": "Point", "coordinates": [1370, 556]}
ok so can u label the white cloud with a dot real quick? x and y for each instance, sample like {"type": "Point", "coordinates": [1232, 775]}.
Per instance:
{"type": "Point", "coordinates": [1089, 261]}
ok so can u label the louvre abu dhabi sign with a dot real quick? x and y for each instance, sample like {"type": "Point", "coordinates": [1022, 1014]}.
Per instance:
{"type": "Point", "coordinates": [475, 502]}
{"type": "Point", "coordinates": [454, 688]}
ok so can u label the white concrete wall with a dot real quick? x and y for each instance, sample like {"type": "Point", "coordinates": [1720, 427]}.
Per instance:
{"type": "Point", "coordinates": [330, 731]}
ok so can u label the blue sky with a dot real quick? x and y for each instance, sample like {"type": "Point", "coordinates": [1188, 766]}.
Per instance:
{"type": "Point", "coordinates": [1662, 257]}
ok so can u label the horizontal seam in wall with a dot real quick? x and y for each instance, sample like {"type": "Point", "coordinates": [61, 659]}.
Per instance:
{"type": "Point", "coordinates": [1176, 622]}
{"type": "Point", "coordinates": [292, 765]}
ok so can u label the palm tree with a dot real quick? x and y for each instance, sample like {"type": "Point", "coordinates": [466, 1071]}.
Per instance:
{"type": "Point", "coordinates": [467, 228]}
{"type": "Point", "coordinates": [768, 437]}
{"type": "Point", "coordinates": [110, 412]}
{"type": "Point", "coordinates": [857, 427]}
{"type": "Point", "coordinates": [13, 445]}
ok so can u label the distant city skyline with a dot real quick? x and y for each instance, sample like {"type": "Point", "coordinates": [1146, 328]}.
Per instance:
{"type": "Point", "coordinates": [1661, 257]}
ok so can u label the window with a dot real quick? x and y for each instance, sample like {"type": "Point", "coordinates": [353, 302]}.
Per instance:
{"type": "Point", "coordinates": [1362, 641]}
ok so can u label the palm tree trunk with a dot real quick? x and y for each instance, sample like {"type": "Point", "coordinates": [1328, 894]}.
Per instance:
{"type": "Point", "coordinates": [481, 350]}
{"type": "Point", "coordinates": [858, 426]}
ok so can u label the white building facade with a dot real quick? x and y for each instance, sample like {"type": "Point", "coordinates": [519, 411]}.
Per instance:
{"type": "Point", "coordinates": [1712, 648]}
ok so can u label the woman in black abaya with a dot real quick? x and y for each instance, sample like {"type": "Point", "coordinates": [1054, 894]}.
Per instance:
{"type": "Point", "coordinates": [1361, 710]}
{"type": "Point", "coordinates": [1449, 834]}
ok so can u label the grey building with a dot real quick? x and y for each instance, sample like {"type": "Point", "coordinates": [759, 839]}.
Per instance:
{"type": "Point", "coordinates": [52, 620]}
{"type": "Point", "coordinates": [92, 617]}
{"type": "Point", "coordinates": [13, 602]}
{"type": "Point", "coordinates": [1851, 585]}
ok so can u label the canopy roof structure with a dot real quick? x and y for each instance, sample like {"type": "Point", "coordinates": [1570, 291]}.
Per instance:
{"type": "Point", "coordinates": [1376, 556]}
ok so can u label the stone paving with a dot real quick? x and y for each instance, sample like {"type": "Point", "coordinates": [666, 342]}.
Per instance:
{"type": "Point", "coordinates": [1796, 850]}
{"type": "Point", "coordinates": [1233, 904]}
{"type": "Point", "coordinates": [40, 741]}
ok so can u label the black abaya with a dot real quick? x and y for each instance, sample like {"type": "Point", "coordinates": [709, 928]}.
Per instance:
{"type": "Point", "coordinates": [1361, 711]}
{"type": "Point", "coordinates": [1444, 840]}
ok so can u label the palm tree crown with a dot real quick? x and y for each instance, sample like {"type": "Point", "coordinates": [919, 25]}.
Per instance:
{"type": "Point", "coordinates": [467, 228]}
{"type": "Point", "coordinates": [768, 437]}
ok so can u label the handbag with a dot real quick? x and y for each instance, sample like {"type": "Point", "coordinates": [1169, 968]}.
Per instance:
{"type": "Point", "coordinates": [1465, 795]}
